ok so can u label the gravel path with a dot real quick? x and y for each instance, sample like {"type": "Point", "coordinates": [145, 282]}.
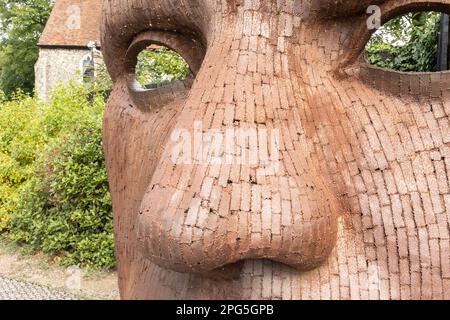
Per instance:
{"type": "Point", "coordinates": [18, 290]}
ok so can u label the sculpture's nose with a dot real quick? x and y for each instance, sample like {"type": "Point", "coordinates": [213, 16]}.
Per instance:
{"type": "Point", "coordinates": [230, 188]}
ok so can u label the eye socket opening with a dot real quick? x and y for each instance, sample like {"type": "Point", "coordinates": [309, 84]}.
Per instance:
{"type": "Point", "coordinates": [158, 66]}
{"type": "Point", "coordinates": [161, 67]}
{"type": "Point", "coordinates": [411, 42]}
{"type": "Point", "coordinates": [354, 54]}
{"type": "Point", "coordinates": [407, 78]}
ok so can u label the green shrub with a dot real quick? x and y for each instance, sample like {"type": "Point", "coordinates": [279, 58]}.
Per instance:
{"type": "Point", "coordinates": [66, 208]}
{"type": "Point", "coordinates": [21, 140]}
{"type": "Point", "coordinates": [61, 205]}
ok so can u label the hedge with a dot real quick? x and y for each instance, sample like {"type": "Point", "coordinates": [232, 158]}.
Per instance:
{"type": "Point", "coordinates": [53, 185]}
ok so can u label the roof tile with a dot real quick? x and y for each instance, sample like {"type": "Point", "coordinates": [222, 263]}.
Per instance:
{"type": "Point", "coordinates": [73, 23]}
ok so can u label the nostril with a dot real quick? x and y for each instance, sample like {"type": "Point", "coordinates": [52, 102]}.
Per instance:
{"type": "Point", "coordinates": [229, 272]}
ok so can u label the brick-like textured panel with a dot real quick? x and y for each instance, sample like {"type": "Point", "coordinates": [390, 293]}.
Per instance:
{"type": "Point", "coordinates": [73, 23]}
{"type": "Point", "coordinates": [359, 206]}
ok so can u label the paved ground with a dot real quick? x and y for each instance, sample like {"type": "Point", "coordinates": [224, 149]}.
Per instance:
{"type": "Point", "coordinates": [19, 290]}
{"type": "Point", "coordinates": [47, 276]}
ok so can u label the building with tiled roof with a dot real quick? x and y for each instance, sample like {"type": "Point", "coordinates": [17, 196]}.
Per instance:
{"type": "Point", "coordinates": [68, 43]}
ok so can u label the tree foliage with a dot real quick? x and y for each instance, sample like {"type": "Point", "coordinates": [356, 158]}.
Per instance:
{"type": "Point", "coordinates": [159, 66]}
{"type": "Point", "coordinates": [21, 24]}
{"type": "Point", "coordinates": [406, 43]}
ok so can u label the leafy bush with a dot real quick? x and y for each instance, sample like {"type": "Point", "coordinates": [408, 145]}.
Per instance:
{"type": "Point", "coordinates": [21, 139]}
{"type": "Point", "coordinates": [66, 208]}
{"type": "Point", "coordinates": [406, 43]}
{"type": "Point", "coordinates": [61, 205]}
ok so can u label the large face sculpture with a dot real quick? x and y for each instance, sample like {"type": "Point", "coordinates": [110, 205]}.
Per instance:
{"type": "Point", "coordinates": [283, 166]}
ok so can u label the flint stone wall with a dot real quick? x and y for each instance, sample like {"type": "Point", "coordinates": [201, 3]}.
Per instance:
{"type": "Point", "coordinates": [57, 65]}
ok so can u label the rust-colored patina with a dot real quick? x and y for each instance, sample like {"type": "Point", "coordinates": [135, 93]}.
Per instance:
{"type": "Point", "coordinates": [358, 203]}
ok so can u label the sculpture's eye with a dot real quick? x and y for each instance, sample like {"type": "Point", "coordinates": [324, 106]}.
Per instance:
{"type": "Point", "coordinates": [161, 67]}
{"type": "Point", "coordinates": [409, 43]}
{"type": "Point", "coordinates": [409, 54]}
{"type": "Point", "coordinates": [158, 66]}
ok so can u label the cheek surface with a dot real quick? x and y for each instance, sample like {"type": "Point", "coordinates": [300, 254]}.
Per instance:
{"type": "Point", "coordinates": [133, 142]}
